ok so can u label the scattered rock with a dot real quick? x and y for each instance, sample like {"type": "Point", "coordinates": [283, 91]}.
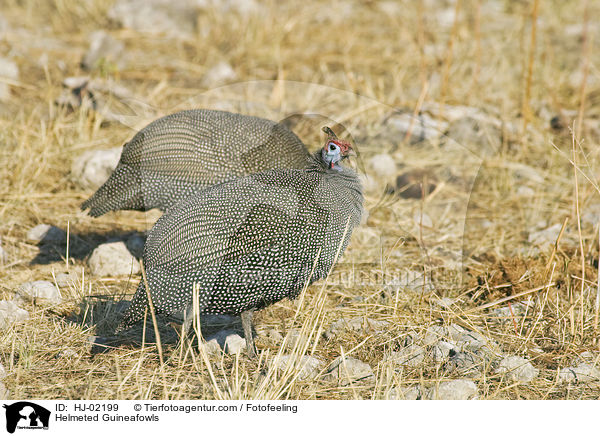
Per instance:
{"type": "Point", "coordinates": [10, 313]}
{"type": "Point", "coordinates": [47, 234]}
{"type": "Point", "coordinates": [480, 136]}
{"type": "Point", "coordinates": [583, 373]}
{"type": "Point", "coordinates": [440, 351]}
{"type": "Point", "coordinates": [104, 50]}
{"type": "Point", "coordinates": [92, 168]}
{"type": "Point", "coordinates": [461, 389]}
{"type": "Point", "coordinates": [308, 365]}
{"type": "Point", "coordinates": [158, 17]}
{"type": "Point", "coordinates": [421, 127]}
{"type": "Point", "coordinates": [228, 341]}
{"type": "Point", "coordinates": [411, 356]}
{"type": "Point", "coordinates": [517, 369]}
{"type": "Point", "coordinates": [66, 280]}
{"type": "Point", "coordinates": [40, 292]}
{"type": "Point", "coordinates": [518, 308]}
{"type": "Point", "coordinates": [410, 393]}
{"type": "Point", "coordinates": [414, 281]}
{"type": "Point", "coordinates": [382, 166]}
{"type": "Point", "coordinates": [422, 219]}
{"type": "Point", "coordinates": [113, 259]}
{"type": "Point", "coordinates": [525, 191]}
{"type": "Point", "coordinates": [410, 184]}
{"type": "Point", "coordinates": [8, 70]}
{"type": "Point", "coordinates": [218, 75]}
{"type": "Point", "coordinates": [591, 214]}
{"type": "Point", "coordinates": [546, 236]}
{"type": "Point", "coordinates": [348, 370]}
{"type": "Point", "coordinates": [358, 324]}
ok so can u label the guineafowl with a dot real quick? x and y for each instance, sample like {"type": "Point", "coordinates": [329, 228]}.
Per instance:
{"type": "Point", "coordinates": [193, 149]}
{"type": "Point", "coordinates": [253, 241]}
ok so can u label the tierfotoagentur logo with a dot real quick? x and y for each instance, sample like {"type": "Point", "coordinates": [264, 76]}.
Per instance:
{"type": "Point", "coordinates": [26, 415]}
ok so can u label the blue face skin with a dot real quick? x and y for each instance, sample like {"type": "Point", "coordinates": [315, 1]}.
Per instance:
{"type": "Point", "coordinates": [332, 155]}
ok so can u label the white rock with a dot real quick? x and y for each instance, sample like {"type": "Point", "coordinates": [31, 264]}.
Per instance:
{"type": "Point", "coordinates": [546, 236]}
{"type": "Point", "coordinates": [525, 191]}
{"type": "Point", "coordinates": [227, 340]}
{"type": "Point", "coordinates": [11, 313]}
{"type": "Point", "coordinates": [91, 169]}
{"type": "Point", "coordinates": [517, 369]}
{"type": "Point", "coordinates": [241, 7]}
{"type": "Point", "coordinates": [46, 233]}
{"type": "Point", "coordinates": [461, 389]}
{"type": "Point", "coordinates": [8, 70]}
{"type": "Point", "coordinates": [382, 166]}
{"type": "Point", "coordinates": [348, 369]}
{"type": "Point", "coordinates": [66, 280]}
{"type": "Point", "coordinates": [583, 373]}
{"type": "Point", "coordinates": [308, 365]}
{"type": "Point", "coordinates": [218, 75]}
{"type": "Point", "coordinates": [357, 324]}
{"type": "Point", "coordinates": [411, 393]}
{"type": "Point", "coordinates": [422, 128]}
{"type": "Point", "coordinates": [103, 48]}
{"type": "Point", "coordinates": [411, 356]}
{"type": "Point", "coordinates": [422, 219]}
{"type": "Point", "coordinates": [434, 334]}
{"type": "Point", "coordinates": [113, 259]}
{"type": "Point", "coordinates": [159, 17]}
{"type": "Point", "coordinates": [39, 292]}
{"type": "Point", "coordinates": [441, 351]}
{"type": "Point", "coordinates": [591, 214]}
{"type": "Point", "coordinates": [480, 136]}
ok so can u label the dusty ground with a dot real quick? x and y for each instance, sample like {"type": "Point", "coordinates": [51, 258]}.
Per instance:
{"type": "Point", "coordinates": [530, 162]}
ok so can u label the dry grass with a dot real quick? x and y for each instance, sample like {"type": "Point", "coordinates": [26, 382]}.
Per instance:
{"type": "Point", "coordinates": [351, 67]}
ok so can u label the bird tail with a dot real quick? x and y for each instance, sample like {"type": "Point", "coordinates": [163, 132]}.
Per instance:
{"type": "Point", "coordinates": [136, 309]}
{"type": "Point", "coordinates": [122, 190]}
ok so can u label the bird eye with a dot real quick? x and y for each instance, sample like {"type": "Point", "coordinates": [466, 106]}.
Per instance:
{"type": "Point", "coordinates": [332, 146]}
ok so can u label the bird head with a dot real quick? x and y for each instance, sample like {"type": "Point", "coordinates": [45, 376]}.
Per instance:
{"type": "Point", "coordinates": [335, 150]}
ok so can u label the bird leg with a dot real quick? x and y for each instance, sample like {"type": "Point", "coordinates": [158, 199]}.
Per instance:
{"type": "Point", "coordinates": [247, 325]}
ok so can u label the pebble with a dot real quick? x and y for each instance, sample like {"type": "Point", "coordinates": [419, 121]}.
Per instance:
{"type": "Point", "coordinates": [113, 259]}
{"type": "Point", "coordinates": [228, 341]}
{"type": "Point", "coordinates": [410, 184]}
{"type": "Point", "coordinates": [422, 128]}
{"type": "Point", "coordinates": [45, 233]}
{"type": "Point", "coordinates": [357, 324]}
{"type": "Point", "coordinates": [410, 393]}
{"type": "Point", "coordinates": [10, 313]}
{"type": "Point", "coordinates": [218, 75]}
{"type": "Point", "coordinates": [482, 137]}
{"type": "Point", "coordinates": [545, 236]}
{"type": "Point", "coordinates": [583, 373]}
{"type": "Point", "coordinates": [92, 168]}
{"type": "Point", "coordinates": [40, 292]}
{"type": "Point", "coordinates": [348, 369]}
{"type": "Point", "coordinates": [10, 71]}
{"type": "Point", "coordinates": [66, 280]}
{"type": "Point", "coordinates": [382, 166]}
{"type": "Point", "coordinates": [517, 369]}
{"type": "Point", "coordinates": [104, 49]}
{"type": "Point", "coordinates": [460, 389]}
{"type": "Point", "coordinates": [308, 365]}
{"type": "Point", "coordinates": [411, 356]}
{"type": "Point", "coordinates": [422, 219]}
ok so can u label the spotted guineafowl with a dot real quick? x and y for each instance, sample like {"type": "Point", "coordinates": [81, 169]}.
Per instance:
{"type": "Point", "coordinates": [253, 241]}
{"type": "Point", "coordinates": [171, 156]}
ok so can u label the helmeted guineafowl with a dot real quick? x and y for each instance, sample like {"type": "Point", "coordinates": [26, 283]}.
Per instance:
{"type": "Point", "coordinates": [253, 241]}
{"type": "Point", "coordinates": [171, 156]}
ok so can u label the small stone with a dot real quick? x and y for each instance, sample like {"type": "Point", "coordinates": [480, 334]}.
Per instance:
{"type": "Point", "coordinates": [40, 292]}
{"type": "Point", "coordinates": [410, 184]}
{"type": "Point", "coordinates": [411, 393]}
{"type": "Point", "coordinates": [104, 50]}
{"type": "Point", "coordinates": [308, 365]}
{"type": "Point", "coordinates": [382, 166]}
{"type": "Point", "coordinates": [347, 370]}
{"type": "Point", "coordinates": [465, 363]}
{"type": "Point", "coordinates": [517, 369]}
{"type": "Point", "coordinates": [546, 236]}
{"type": "Point", "coordinates": [441, 351]}
{"type": "Point", "coordinates": [66, 280]}
{"type": "Point", "coordinates": [411, 356]}
{"type": "Point", "coordinates": [461, 389]}
{"type": "Point", "coordinates": [434, 333]}
{"type": "Point", "coordinates": [518, 308]}
{"type": "Point", "coordinates": [45, 233]}
{"type": "Point", "coordinates": [113, 259]}
{"type": "Point", "coordinates": [10, 313]}
{"type": "Point", "coordinates": [92, 168]}
{"type": "Point", "coordinates": [8, 70]}
{"type": "Point", "coordinates": [218, 75]}
{"type": "Point", "coordinates": [228, 340]}
{"type": "Point", "coordinates": [421, 128]}
{"type": "Point", "coordinates": [482, 137]}
{"type": "Point", "coordinates": [357, 324]}
{"type": "Point", "coordinates": [422, 219]}
{"type": "Point", "coordinates": [583, 373]}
